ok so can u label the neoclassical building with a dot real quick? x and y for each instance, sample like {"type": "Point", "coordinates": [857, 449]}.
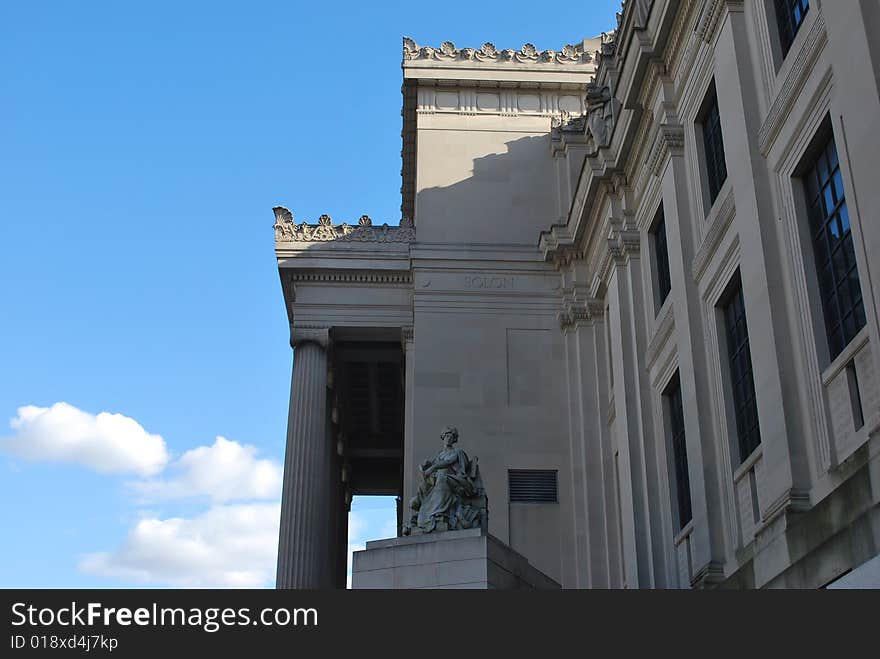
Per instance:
{"type": "Point", "coordinates": [639, 275]}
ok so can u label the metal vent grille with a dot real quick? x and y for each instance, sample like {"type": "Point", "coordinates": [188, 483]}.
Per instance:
{"type": "Point", "coordinates": [532, 485]}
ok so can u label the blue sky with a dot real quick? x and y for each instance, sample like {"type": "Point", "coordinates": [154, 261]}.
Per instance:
{"type": "Point", "coordinates": [142, 147]}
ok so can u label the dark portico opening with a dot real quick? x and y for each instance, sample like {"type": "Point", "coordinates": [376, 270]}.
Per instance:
{"type": "Point", "coordinates": [368, 387]}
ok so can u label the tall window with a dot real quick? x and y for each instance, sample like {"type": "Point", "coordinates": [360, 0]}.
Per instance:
{"type": "Point", "coordinates": [789, 16]}
{"type": "Point", "coordinates": [741, 379]}
{"type": "Point", "coordinates": [661, 257]}
{"type": "Point", "coordinates": [833, 248]}
{"type": "Point", "coordinates": [713, 145]}
{"type": "Point", "coordinates": [679, 450]}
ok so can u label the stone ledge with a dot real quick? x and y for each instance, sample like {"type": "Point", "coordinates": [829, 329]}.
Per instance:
{"type": "Point", "coordinates": [454, 559]}
{"type": "Point", "coordinates": [418, 539]}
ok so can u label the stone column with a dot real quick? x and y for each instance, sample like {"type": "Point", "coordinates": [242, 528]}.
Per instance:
{"type": "Point", "coordinates": [587, 316]}
{"type": "Point", "coordinates": [307, 499]}
{"type": "Point", "coordinates": [410, 460]}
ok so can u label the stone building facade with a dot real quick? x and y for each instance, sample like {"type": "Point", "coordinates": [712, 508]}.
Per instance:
{"type": "Point", "coordinates": [639, 275]}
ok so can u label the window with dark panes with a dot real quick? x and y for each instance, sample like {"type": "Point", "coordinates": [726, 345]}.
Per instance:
{"type": "Point", "coordinates": [789, 17]}
{"type": "Point", "coordinates": [742, 382]}
{"type": "Point", "coordinates": [833, 248]}
{"type": "Point", "coordinates": [713, 145]}
{"type": "Point", "coordinates": [661, 257]}
{"type": "Point", "coordinates": [679, 450]}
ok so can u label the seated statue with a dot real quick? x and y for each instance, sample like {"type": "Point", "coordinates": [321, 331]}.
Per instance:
{"type": "Point", "coordinates": [450, 495]}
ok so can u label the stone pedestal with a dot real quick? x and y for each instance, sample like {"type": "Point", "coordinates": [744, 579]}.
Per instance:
{"type": "Point", "coordinates": [454, 559]}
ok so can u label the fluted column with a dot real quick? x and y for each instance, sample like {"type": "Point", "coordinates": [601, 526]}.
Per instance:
{"type": "Point", "coordinates": [307, 500]}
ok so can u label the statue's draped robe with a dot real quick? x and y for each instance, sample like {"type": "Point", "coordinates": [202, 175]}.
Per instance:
{"type": "Point", "coordinates": [442, 492]}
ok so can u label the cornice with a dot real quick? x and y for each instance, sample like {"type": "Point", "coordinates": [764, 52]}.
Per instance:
{"type": "Point", "coordinates": [655, 73]}
{"type": "Point", "coordinates": [711, 16]}
{"type": "Point", "coordinates": [717, 228]}
{"type": "Point", "coordinates": [286, 230]}
{"type": "Point", "coordinates": [708, 576]}
{"type": "Point", "coordinates": [669, 139]}
{"type": "Point", "coordinates": [793, 499]}
{"type": "Point", "coordinates": [600, 175]}
{"type": "Point", "coordinates": [663, 328]}
{"type": "Point", "coordinates": [679, 37]}
{"type": "Point", "coordinates": [793, 84]}
{"type": "Point", "coordinates": [487, 53]}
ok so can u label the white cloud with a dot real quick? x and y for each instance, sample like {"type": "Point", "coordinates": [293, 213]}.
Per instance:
{"type": "Point", "coordinates": [108, 443]}
{"type": "Point", "coordinates": [228, 545]}
{"type": "Point", "coordinates": [224, 471]}
{"type": "Point", "coordinates": [231, 546]}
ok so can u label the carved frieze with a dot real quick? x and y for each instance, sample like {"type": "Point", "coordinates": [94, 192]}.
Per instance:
{"type": "Point", "coordinates": [528, 54]}
{"type": "Point", "coordinates": [287, 230]}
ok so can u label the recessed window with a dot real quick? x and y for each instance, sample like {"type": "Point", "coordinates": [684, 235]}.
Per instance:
{"type": "Point", "coordinates": [661, 257]}
{"type": "Point", "coordinates": [790, 16]}
{"type": "Point", "coordinates": [713, 145]}
{"type": "Point", "coordinates": [742, 384]}
{"type": "Point", "coordinates": [836, 270]}
{"type": "Point", "coordinates": [675, 413]}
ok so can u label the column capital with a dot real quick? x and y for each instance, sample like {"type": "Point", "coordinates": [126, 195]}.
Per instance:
{"type": "Point", "coordinates": [576, 314]}
{"type": "Point", "coordinates": [300, 334]}
{"type": "Point", "coordinates": [669, 140]}
{"type": "Point", "coordinates": [622, 240]}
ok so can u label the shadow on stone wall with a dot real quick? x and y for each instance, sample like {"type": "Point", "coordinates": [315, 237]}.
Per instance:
{"type": "Point", "coordinates": [508, 198]}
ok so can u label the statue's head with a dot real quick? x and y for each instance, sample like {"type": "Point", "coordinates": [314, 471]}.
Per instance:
{"type": "Point", "coordinates": [597, 93]}
{"type": "Point", "coordinates": [449, 435]}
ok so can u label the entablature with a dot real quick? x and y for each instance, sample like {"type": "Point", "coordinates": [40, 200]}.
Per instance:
{"type": "Point", "coordinates": [345, 275]}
